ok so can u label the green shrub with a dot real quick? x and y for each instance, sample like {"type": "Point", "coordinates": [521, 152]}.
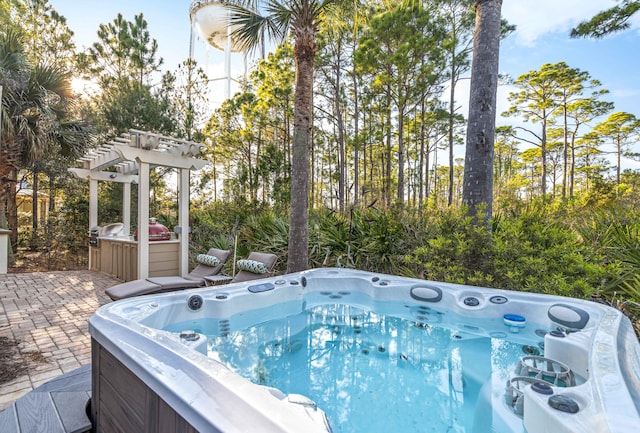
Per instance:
{"type": "Point", "coordinates": [531, 252]}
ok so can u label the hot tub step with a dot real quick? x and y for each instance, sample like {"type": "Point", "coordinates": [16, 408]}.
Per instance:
{"type": "Point", "coordinates": [58, 406]}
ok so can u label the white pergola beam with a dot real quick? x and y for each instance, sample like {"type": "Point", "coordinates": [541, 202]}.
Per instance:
{"type": "Point", "coordinates": [107, 176]}
{"type": "Point", "coordinates": [164, 159]}
{"type": "Point", "coordinates": [104, 160]}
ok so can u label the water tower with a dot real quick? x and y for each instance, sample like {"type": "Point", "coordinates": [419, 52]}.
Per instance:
{"type": "Point", "coordinates": [212, 20]}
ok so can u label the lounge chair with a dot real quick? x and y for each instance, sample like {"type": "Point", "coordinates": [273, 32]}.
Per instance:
{"type": "Point", "coordinates": [257, 265]}
{"type": "Point", "coordinates": [209, 264]}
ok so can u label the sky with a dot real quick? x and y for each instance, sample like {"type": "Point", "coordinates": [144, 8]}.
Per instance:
{"type": "Point", "coordinates": [542, 36]}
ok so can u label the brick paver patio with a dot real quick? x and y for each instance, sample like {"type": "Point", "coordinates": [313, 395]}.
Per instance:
{"type": "Point", "coordinates": [47, 313]}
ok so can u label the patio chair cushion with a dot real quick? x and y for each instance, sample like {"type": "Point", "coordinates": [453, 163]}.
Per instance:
{"type": "Point", "coordinates": [269, 262]}
{"type": "Point", "coordinates": [168, 283]}
{"type": "Point", "coordinates": [268, 259]}
{"type": "Point", "coordinates": [252, 266]}
{"type": "Point", "coordinates": [206, 259]}
{"type": "Point", "coordinates": [132, 288]}
{"type": "Point", "coordinates": [201, 271]}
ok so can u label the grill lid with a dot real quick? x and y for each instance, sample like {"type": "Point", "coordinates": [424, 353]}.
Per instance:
{"type": "Point", "coordinates": [157, 231]}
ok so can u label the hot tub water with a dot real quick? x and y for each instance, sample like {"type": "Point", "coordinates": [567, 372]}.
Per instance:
{"type": "Point", "coordinates": [368, 371]}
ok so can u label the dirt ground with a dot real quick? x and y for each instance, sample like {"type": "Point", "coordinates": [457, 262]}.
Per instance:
{"type": "Point", "coordinates": [12, 363]}
{"type": "Point", "coordinates": [42, 261]}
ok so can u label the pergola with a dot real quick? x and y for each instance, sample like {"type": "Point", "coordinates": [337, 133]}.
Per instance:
{"type": "Point", "coordinates": [128, 159]}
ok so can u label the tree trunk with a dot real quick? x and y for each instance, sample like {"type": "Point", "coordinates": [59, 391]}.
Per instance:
{"type": "Point", "coordinates": [421, 168]}
{"type": "Point", "coordinates": [304, 54]}
{"type": "Point", "coordinates": [12, 208]}
{"type": "Point", "coordinates": [287, 134]}
{"type": "Point", "coordinates": [387, 170]}
{"type": "Point", "coordinates": [478, 170]}
{"type": "Point", "coordinates": [618, 160]}
{"type": "Point", "coordinates": [34, 202]}
{"type": "Point", "coordinates": [452, 109]}
{"type": "Point", "coordinates": [565, 152]}
{"type": "Point", "coordinates": [427, 179]}
{"type": "Point", "coordinates": [543, 156]}
{"type": "Point", "coordinates": [34, 210]}
{"type": "Point", "coordinates": [573, 163]}
{"type": "Point", "coordinates": [341, 147]}
{"type": "Point", "coordinates": [400, 198]}
{"type": "Point", "coordinates": [52, 193]}
{"type": "Point", "coordinates": [356, 143]}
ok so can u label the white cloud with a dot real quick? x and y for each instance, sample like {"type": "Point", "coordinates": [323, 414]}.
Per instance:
{"type": "Point", "coordinates": [537, 18]}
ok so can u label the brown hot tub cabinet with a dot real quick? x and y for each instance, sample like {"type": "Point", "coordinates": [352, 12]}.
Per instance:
{"type": "Point", "coordinates": [122, 403]}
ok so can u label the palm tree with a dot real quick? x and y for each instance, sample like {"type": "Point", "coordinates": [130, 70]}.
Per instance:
{"type": "Point", "coordinates": [275, 20]}
{"type": "Point", "coordinates": [478, 167]}
{"type": "Point", "coordinates": [13, 78]}
{"type": "Point", "coordinates": [35, 110]}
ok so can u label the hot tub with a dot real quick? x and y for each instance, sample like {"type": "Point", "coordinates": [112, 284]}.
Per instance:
{"type": "Point", "coordinates": [576, 367]}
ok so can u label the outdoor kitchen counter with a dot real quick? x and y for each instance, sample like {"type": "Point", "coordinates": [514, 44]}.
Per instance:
{"type": "Point", "coordinates": [118, 257]}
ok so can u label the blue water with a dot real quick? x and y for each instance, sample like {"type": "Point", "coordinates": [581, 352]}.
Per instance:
{"type": "Point", "coordinates": [369, 372]}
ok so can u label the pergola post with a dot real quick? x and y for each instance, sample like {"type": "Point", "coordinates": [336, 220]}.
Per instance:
{"type": "Point", "coordinates": [143, 220]}
{"type": "Point", "coordinates": [183, 219]}
{"type": "Point", "coordinates": [93, 208]}
{"type": "Point", "coordinates": [93, 202]}
{"type": "Point", "coordinates": [126, 208]}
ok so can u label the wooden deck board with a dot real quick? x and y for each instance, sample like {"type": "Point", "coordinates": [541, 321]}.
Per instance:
{"type": "Point", "coordinates": [71, 407]}
{"type": "Point", "coordinates": [37, 414]}
{"type": "Point", "coordinates": [58, 406]}
{"type": "Point", "coordinates": [9, 420]}
{"type": "Point", "coordinates": [76, 380]}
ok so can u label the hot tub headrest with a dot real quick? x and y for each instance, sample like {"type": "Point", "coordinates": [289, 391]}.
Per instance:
{"type": "Point", "coordinates": [426, 293]}
{"type": "Point", "coordinates": [568, 316]}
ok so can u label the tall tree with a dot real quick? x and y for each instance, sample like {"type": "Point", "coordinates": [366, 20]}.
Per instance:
{"type": "Point", "coordinates": [609, 21]}
{"type": "Point", "coordinates": [478, 168]}
{"type": "Point", "coordinates": [506, 158]}
{"type": "Point", "coordinates": [572, 83]}
{"type": "Point", "coordinates": [332, 65]}
{"type": "Point", "coordinates": [188, 95]}
{"type": "Point", "coordinates": [35, 104]}
{"type": "Point", "coordinates": [302, 18]}
{"type": "Point", "coordinates": [143, 50]}
{"type": "Point", "coordinates": [48, 41]}
{"type": "Point", "coordinates": [123, 61]}
{"type": "Point", "coordinates": [47, 36]}
{"type": "Point", "coordinates": [124, 50]}
{"type": "Point", "coordinates": [127, 104]}
{"type": "Point", "coordinates": [537, 102]}
{"type": "Point", "coordinates": [582, 112]}
{"type": "Point", "coordinates": [401, 51]}
{"type": "Point", "coordinates": [592, 165]}
{"type": "Point", "coordinates": [458, 15]}
{"type": "Point", "coordinates": [621, 130]}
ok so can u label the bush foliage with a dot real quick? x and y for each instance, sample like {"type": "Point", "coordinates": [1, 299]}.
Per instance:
{"type": "Point", "coordinates": [555, 251]}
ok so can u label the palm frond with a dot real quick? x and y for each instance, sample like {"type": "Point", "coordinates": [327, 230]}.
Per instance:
{"type": "Point", "coordinates": [53, 79]}
{"type": "Point", "coordinates": [253, 25]}
{"type": "Point", "coordinates": [252, 28]}
{"type": "Point", "coordinates": [72, 137]}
